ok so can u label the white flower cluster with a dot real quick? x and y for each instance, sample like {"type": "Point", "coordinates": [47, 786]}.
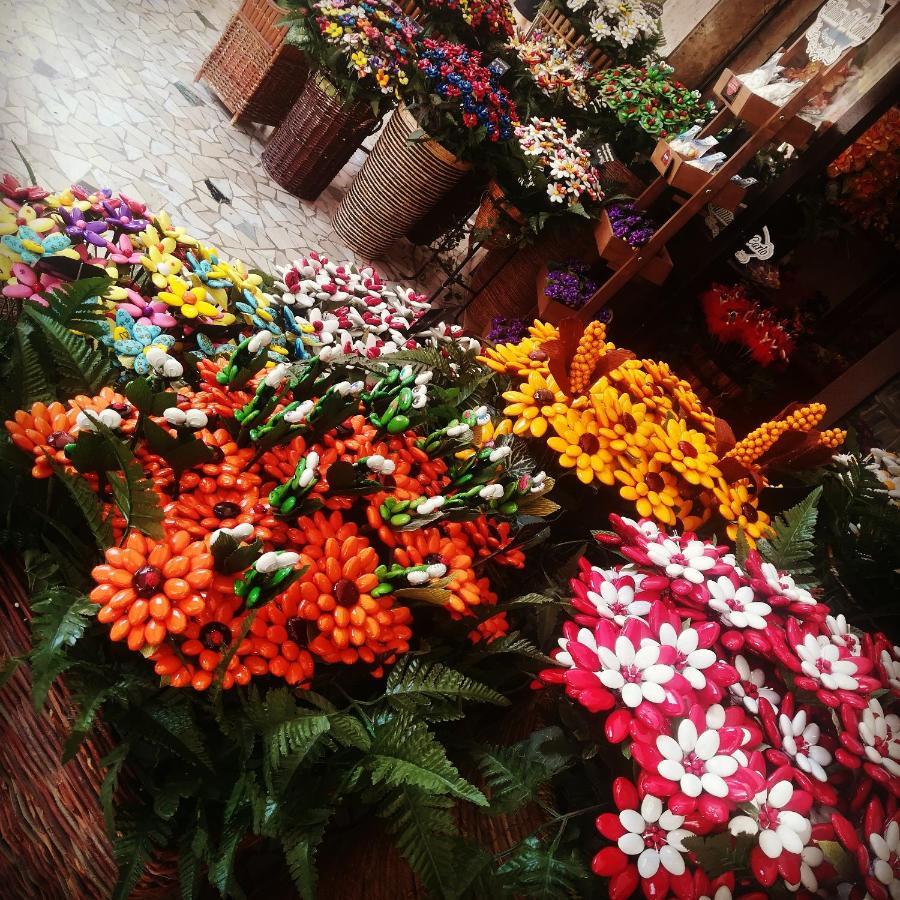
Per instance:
{"type": "Point", "coordinates": [886, 468]}
{"type": "Point", "coordinates": [621, 21]}
{"type": "Point", "coordinates": [554, 67]}
{"type": "Point", "coordinates": [346, 309]}
{"type": "Point", "coordinates": [565, 164]}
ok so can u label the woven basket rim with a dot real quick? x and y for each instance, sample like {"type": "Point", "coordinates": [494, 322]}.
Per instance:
{"type": "Point", "coordinates": [434, 148]}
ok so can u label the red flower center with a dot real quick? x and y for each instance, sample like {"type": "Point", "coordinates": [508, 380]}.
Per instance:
{"type": "Point", "coordinates": [768, 817]}
{"type": "Point", "coordinates": [147, 581]}
{"type": "Point", "coordinates": [589, 443]}
{"type": "Point", "coordinates": [654, 837]}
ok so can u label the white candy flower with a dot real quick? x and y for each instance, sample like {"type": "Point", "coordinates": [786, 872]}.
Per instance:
{"type": "Point", "coordinates": [886, 864]}
{"type": "Point", "coordinates": [655, 837]}
{"type": "Point", "coordinates": [811, 858]}
{"type": "Point", "coordinates": [617, 603]}
{"type": "Point", "coordinates": [822, 660]}
{"type": "Point", "coordinates": [779, 829]}
{"type": "Point", "coordinates": [689, 562]}
{"type": "Point", "coordinates": [690, 659]}
{"type": "Point", "coordinates": [800, 741]}
{"type": "Point", "coordinates": [752, 687]}
{"type": "Point", "coordinates": [785, 585]}
{"type": "Point", "coordinates": [693, 759]}
{"type": "Point", "coordinates": [196, 418]}
{"type": "Point", "coordinates": [880, 735]}
{"type": "Point", "coordinates": [737, 607]}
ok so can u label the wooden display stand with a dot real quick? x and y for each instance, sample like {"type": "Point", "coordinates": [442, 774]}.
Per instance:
{"type": "Point", "coordinates": [681, 176]}
{"type": "Point", "coordinates": [618, 253]}
{"type": "Point", "coordinates": [779, 121]}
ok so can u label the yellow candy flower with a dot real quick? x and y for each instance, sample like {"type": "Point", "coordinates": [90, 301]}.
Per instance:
{"type": "Point", "coordinates": [176, 232]}
{"type": "Point", "coordinates": [652, 490]}
{"type": "Point", "coordinates": [8, 224]}
{"type": "Point", "coordinates": [515, 359]}
{"type": "Point", "coordinates": [28, 216]}
{"type": "Point", "coordinates": [686, 451]}
{"type": "Point", "coordinates": [580, 446]}
{"type": "Point", "coordinates": [543, 331]}
{"type": "Point", "coordinates": [537, 401]}
{"type": "Point", "coordinates": [160, 262]}
{"type": "Point", "coordinates": [623, 423]}
{"type": "Point", "coordinates": [738, 507]}
{"type": "Point", "coordinates": [190, 300]}
{"type": "Point", "coordinates": [68, 199]}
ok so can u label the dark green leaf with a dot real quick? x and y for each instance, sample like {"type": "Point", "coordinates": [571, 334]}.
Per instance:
{"type": "Point", "coordinates": [414, 683]}
{"type": "Point", "coordinates": [88, 503]}
{"type": "Point", "coordinates": [791, 548]}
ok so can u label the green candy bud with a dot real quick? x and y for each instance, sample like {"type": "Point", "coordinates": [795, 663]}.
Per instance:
{"type": "Point", "coordinates": [401, 519]}
{"type": "Point", "coordinates": [397, 424]}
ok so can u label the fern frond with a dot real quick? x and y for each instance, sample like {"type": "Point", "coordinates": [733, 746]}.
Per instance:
{"type": "Point", "coordinates": [83, 365]}
{"type": "Point", "coordinates": [60, 618]}
{"type": "Point", "coordinates": [515, 773]}
{"type": "Point", "coordinates": [512, 643]}
{"type": "Point", "coordinates": [405, 752]}
{"type": "Point", "coordinates": [422, 825]}
{"type": "Point", "coordinates": [133, 850]}
{"type": "Point", "coordinates": [88, 504]}
{"type": "Point", "coordinates": [113, 762]}
{"type": "Point", "coordinates": [170, 723]}
{"type": "Point", "coordinates": [33, 383]}
{"type": "Point", "coordinates": [77, 305]}
{"type": "Point", "coordinates": [414, 684]}
{"type": "Point", "coordinates": [791, 548]}
{"type": "Point", "coordinates": [300, 843]}
{"type": "Point", "coordinates": [543, 872]}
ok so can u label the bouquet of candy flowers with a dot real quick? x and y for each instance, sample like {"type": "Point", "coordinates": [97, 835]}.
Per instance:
{"type": "Point", "coordinates": [368, 46]}
{"type": "Point", "coordinates": [491, 19]}
{"type": "Point", "coordinates": [464, 103]}
{"type": "Point", "coordinates": [649, 98]}
{"type": "Point", "coordinates": [763, 730]}
{"type": "Point", "coordinates": [557, 71]}
{"type": "Point", "coordinates": [628, 30]}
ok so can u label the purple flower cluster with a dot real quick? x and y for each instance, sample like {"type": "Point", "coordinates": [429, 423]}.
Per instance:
{"type": "Point", "coordinates": [507, 330]}
{"type": "Point", "coordinates": [570, 284]}
{"type": "Point", "coordinates": [631, 225]}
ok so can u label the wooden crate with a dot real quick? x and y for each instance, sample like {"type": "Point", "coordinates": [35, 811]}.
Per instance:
{"type": "Point", "coordinates": [617, 252]}
{"type": "Point", "coordinates": [688, 179]}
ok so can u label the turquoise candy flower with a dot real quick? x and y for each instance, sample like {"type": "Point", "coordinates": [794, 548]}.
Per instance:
{"type": "Point", "coordinates": [30, 247]}
{"type": "Point", "coordinates": [204, 269]}
{"type": "Point", "coordinates": [206, 349]}
{"type": "Point", "coordinates": [251, 310]}
{"type": "Point", "coordinates": [130, 341]}
{"type": "Point", "coordinates": [293, 336]}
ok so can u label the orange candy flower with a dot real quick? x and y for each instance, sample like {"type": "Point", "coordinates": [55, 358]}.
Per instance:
{"type": "Point", "coordinates": [148, 589]}
{"type": "Point", "coordinates": [43, 431]}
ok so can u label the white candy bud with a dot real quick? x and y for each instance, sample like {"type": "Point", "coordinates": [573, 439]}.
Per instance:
{"type": "Point", "coordinates": [174, 416]}
{"type": "Point", "coordinates": [499, 453]}
{"type": "Point", "coordinates": [196, 418]}
{"type": "Point", "coordinates": [260, 339]}
{"type": "Point", "coordinates": [424, 377]}
{"type": "Point", "coordinates": [491, 492]}
{"type": "Point", "coordinates": [171, 368]}
{"type": "Point", "coordinates": [110, 418]}
{"type": "Point", "coordinates": [417, 577]}
{"type": "Point", "coordinates": [298, 415]}
{"type": "Point", "coordinates": [276, 375]}
{"type": "Point", "coordinates": [436, 570]}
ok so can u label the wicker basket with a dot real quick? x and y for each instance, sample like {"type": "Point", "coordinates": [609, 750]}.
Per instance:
{"type": "Point", "coordinates": [254, 73]}
{"type": "Point", "coordinates": [498, 223]}
{"type": "Point", "coordinates": [550, 19]}
{"type": "Point", "coordinates": [52, 840]}
{"type": "Point", "coordinates": [317, 137]}
{"type": "Point", "coordinates": [451, 212]}
{"type": "Point", "coordinates": [398, 185]}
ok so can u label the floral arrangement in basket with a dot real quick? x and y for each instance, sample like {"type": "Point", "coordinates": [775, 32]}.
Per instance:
{"type": "Point", "coordinates": [762, 730]}
{"type": "Point", "coordinates": [491, 20]}
{"type": "Point", "coordinates": [733, 317]}
{"type": "Point", "coordinates": [651, 99]}
{"type": "Point", "coordinates": [631, 225]}
{"type": "Point", "coordinates": [368, 49]}
{"type": "Point", "coordinates": [462, 103]}
{"type": "Point", "coordinates": [619, 421]}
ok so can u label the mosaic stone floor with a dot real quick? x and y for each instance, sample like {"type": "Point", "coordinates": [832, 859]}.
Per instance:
{"type": "Point", "coordinates": [103, 92]}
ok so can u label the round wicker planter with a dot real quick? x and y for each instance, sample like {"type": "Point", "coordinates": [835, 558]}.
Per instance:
{"type": "Point", "coordinates": [398, 185]}
{"type": "Point", "coordinates": [319, 134]}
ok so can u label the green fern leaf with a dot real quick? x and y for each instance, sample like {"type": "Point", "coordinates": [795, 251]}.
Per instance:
{"type": "Point", "coordinates": [60, 619]}
{"type": "Point", "coordinates": [112, 762]}
{"type": "Point", "coordinates": [294, 738]}
{"type": "Point", "coordinates": [512, 643]}
{"type": "Point", "coordinates": [299, 843]}
{"type": "Point", "coordinates": [349, 731]}
{"type": "Point", "coordinates": [88, 503]}
{"type": "Point", "coordinates": [83, 365]}
{"type": "Point", "coordinates": [791, 548]}
{"type": "Point", "coordinates": [78, 306]}
{"type": "Point", "coordinates": [514, 774]}
{"type": "Point", "coordinates": [543, 872]}
{"type": "Point", "coordinates": [235, 825]}
{"type": "Point", "coordinates": [423, 828]}
{"type": "Point", "coordinates": [170, 723]}
{"type": "Point", "coordinates": [133, 850]}
{"type": "Point", "coordinates": [33, 381]}
{"type": "Point", "coordinates": [188, 865]}
{"type": "Point", "coordinates": [405, 752]}
{"type": "Point", "coordinates": [414, 683]}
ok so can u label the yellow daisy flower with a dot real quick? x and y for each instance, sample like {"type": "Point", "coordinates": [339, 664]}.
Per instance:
{"type": "Point", "coordinates": [543, 331]}
{"type": "Point", "coordinates": [623, 423]}
{"type": "Point", "coordinates": [686, 451]}
{"type": "Point", "coordinates": [191, 301]}
{"type": "Point", "coordinates": [580, 446]}
{"type": "Point", "coordinates": [537, 401]}
{"type": "Point", "coordinates": [516, 359]}
{"type": "Point", "coordinates": [160, 262]}
{"type": "Point", "coordinates": [176, 232]}
{"type": "Point", "coordinates": [652, 490]}
{"type": "Point", "coordinates": [738, 507]}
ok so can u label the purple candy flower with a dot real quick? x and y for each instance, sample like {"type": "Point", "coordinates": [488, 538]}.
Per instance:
{"type": "Point", "coordinates": [569, 283]}
{"type": "Point", "coordinates": [80, 229]}
{"type": "Point", "coordinates": [120, 216]}
{"type": "Point", "coordinates": [507, 331]}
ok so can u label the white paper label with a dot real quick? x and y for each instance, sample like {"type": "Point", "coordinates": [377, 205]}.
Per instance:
{"type": "Point", "coordinates": [842, 24]}
{"type": "Point", "coordinates": [760, 246]}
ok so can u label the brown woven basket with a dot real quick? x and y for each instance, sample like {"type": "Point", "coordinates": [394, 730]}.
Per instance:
{"type": "Point", "coordinates": [254, 73]}
{"type": "Point", "coordinates": [317, 137]}
{"type": "Point", "coordinates": [451, 212]}
{"type": "Point", "coordinates": [52, 842]}
{"type": "Point", "coordinates": [498, 223]}
{"type": "Point", "coordinates": [552, 20]}
{"type": "Point", "coordinates": [399, 184]}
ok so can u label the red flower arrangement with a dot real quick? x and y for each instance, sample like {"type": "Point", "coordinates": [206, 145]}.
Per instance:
{"type": "Point", "coordinates": [735, 318]}
{"type": "Point", "coordinates": [761, 727]}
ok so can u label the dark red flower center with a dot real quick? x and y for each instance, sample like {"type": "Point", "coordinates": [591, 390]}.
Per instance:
{"type": "Point", "coordinates": [215, 635]}
{"type": "Point", "coordinates": [59, 439]}
{"type": "Point", "coordinates": [226, 510]}
{"type": "Point", "coordinates": [544, 398]}
{"type": "Point", "coordinates": [654, 481]}
{"type": "Point", "coordinates": [687, 449]}
{"type": "Point", "coordinates": [296, 629]}
{"type": "Point", "coordinates": [589, 443]}
{"type": "Point", "coordinates": [147, 581]}
{"type": "Point", "coordinates": [537, 355]}
{"type": "Point", "coordinates": [629, 423]}
{"type": "Point", "coordinates": [345, 592]}
{"type": "Point", "coordinates": [749, 512]}
{"type": "Point", "coordinates": [434, 559]}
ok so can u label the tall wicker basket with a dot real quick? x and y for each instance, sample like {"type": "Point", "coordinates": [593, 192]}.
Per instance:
{"type": "Point", "coordinates": [398, 185]}
{"type": "Point", "coordinates": [254, 73]}
{"type": "Point", "coordinates": [319, 134]}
